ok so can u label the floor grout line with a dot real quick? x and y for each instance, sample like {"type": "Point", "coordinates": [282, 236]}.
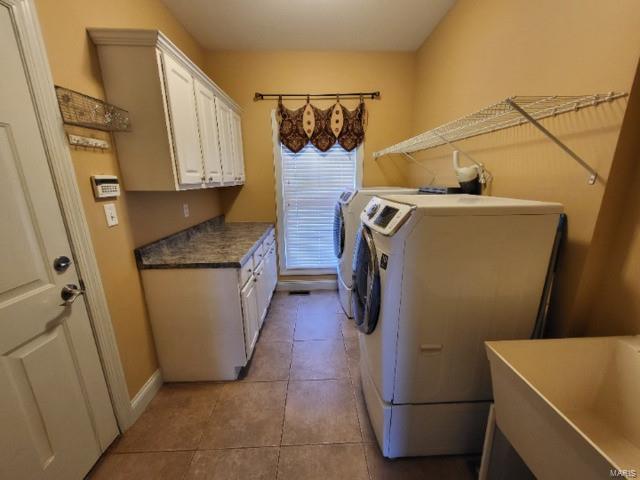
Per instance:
{"type": "Point", "coordinates": [247, 447]}
{"type": "Point", "coordinates": [286, 396]}
{"type": "Point", "coordinates": [188, 469]}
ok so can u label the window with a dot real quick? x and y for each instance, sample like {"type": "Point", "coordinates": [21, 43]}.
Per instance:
{"type": "Point", "coordinates": [309, 184]}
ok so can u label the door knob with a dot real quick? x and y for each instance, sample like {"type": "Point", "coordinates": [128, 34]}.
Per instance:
{"type": "Point", "coordinates": [61, 264]}
{"type": "Point", "coordinates": [69, 294]}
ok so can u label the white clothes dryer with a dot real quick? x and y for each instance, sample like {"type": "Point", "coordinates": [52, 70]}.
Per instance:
{"type": "Point", "coordinates": [435, 277]}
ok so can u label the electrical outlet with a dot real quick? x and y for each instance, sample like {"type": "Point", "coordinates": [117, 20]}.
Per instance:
{"type": "Point", "coordinates": [185, 209]}
{"type": "Point", "coordinates": [111, 214]}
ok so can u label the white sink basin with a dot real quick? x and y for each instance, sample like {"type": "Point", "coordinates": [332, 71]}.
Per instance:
{"type": "Point", "coordinates": [570, 407]}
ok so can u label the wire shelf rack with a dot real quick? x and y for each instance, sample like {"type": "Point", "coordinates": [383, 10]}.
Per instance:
{"type": "Point", "coordinates": [511, 112]}
{"type": "Point", "coordinates": [85, 111]}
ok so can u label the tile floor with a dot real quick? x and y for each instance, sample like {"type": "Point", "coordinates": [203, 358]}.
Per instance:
{"type": "Point", "coordinates": [297, 414]}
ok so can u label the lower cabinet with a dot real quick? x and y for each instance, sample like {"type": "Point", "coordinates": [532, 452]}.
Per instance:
{"type": "Point", "coordinates": [206, 321]}
{"type": "Point", "coordinates": [272, 269]}
{"type": "Point", "coordinates": [258, 291]}
{"type": "Point", "coordinates": [250, 315]}
{"type": "Point", "coordinates": [261, 294]}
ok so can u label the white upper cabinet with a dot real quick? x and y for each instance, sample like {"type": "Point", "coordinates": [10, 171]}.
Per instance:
{"type": "Point", "coordinates": [226, 145]}
{"type": "Point", "coordinates": [184, 122]}
{"type": "Point", "coordinates": [185, 131]}
{"type": "Point", "coordinates": [238, 154]}
{"type": "Point", "coordinates": [209, 138]}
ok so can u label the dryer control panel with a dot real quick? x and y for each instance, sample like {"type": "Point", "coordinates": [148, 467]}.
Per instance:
{"type": "Point", "coordinates": [385, 216]}
{"type": "Point", "coordinates": [346, 196]}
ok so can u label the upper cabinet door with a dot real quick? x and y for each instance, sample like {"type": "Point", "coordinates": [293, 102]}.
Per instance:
{"type": "Point", "coordinates": [226, 143]}
{"type": "Point", "coordinates": [208, 125]}
{"type": "Point", "coordinates": [184, 122]}
{"type": "Point", "coordinates": [238, 153]}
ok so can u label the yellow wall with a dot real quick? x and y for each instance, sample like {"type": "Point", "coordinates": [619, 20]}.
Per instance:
{"type": "Point", "coordinates": [143, 216]}
{"type": "Point", "coordinates": [241, 74]}
{"type": "Point", "coordinates": [483, 52]}
{"type": "Point", "coordinates": [612, 296]}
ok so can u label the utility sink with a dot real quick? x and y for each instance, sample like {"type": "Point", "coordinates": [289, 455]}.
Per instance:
{"type": "Point", "coordinates": [570, 407]}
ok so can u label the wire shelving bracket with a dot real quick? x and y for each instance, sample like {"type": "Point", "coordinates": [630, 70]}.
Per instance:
{"type": "Point", "coordinates": [510, 112]}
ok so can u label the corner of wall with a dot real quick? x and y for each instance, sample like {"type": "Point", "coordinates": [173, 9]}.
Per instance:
{"type": "Point", "coordinates": [606, 301]}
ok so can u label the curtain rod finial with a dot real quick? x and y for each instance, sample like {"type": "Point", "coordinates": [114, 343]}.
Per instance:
{"type": "Point", "coordinates": [258, 96]}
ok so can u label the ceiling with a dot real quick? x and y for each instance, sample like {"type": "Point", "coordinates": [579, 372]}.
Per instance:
{"type": "Point", "coordinates": [394, 25]}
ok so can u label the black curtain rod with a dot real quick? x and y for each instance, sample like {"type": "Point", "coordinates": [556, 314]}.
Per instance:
{"type": "Point", "coordinates": [304, 96]}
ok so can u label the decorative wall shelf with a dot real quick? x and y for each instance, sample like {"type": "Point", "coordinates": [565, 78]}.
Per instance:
{"type": "Point", "coordinates": [84, 111]}
{"type": "Point", "coordinates": [511, 112]}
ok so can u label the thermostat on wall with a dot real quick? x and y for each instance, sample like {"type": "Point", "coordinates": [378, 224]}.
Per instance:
{"type": "Point", "coordinates": [105, 186]}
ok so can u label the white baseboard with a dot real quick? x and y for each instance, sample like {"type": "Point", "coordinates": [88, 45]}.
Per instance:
{"type": "Point", "coordinates": [145, 395]}
{"type": "Point", "coordinates": [311, 285]}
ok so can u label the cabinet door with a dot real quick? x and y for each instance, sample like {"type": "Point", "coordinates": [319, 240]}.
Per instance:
{"type": "Point", "coordinates": [262, 292]}
{"type": "Point", "coordinates": [250, 316]}
{"type": "Point", "coordinates": [184, 122]}
{"type": "Point", "coordinates": [226, 142]}
{"type": "Point", "coordinates": [208, 127]}
{"type": "Point", "coordinates": [272, 268]}
{"type": "Point", "coordinates": [238, 152]}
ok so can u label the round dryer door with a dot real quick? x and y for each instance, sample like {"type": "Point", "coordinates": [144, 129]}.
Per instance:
{"type": "Point", "coordinates": [366, 282]}
{"type": "Point", "coordinates": [338, 230]}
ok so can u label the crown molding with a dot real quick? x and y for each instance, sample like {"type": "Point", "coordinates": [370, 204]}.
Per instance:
{"type": "Point", "coordinates": [132, 37]}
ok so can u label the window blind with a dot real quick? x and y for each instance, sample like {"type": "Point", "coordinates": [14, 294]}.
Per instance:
{"type": "Point", "coordinates": [311, 184]}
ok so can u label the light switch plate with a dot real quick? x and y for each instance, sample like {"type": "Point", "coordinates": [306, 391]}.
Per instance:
{"type": "Point", "coordinates": [111, 214]}
{"type": "Point", "coordinates": [185, 209]}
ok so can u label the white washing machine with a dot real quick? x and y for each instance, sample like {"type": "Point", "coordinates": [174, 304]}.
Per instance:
{"type": "Point", "coordinates": [435, 277]}
{"type": "Point", "coordinates": [345, 226]}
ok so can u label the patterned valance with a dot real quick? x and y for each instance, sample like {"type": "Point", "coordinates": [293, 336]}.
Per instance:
{"type": "Point", "coordinates": [323, 128]}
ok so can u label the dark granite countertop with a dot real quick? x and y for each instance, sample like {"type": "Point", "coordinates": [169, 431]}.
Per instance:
{"type": "Point", "coordinates": [211, 244]}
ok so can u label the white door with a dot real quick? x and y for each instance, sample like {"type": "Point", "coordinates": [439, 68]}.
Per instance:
{"type": "Point", "coordinates": [55, 414]}
{"type": "Point", "coordinates": [238, 153]}
{"type": "Point", "coordinates": [250, 315]}
{"type": "Point", "coordinates": [184, 122]}
{"type": "Point", "coordinates": [208, 126]}
{"type": "Point", "coordinates": [226, 142]}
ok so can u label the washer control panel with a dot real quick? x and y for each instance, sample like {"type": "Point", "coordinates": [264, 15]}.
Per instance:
{"type": "Point", "coordinates": [385, 216]}
{"type": "Point", "coordinates": [372, 208]}
{"type": "Point", "coordinates": [347, 196]}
